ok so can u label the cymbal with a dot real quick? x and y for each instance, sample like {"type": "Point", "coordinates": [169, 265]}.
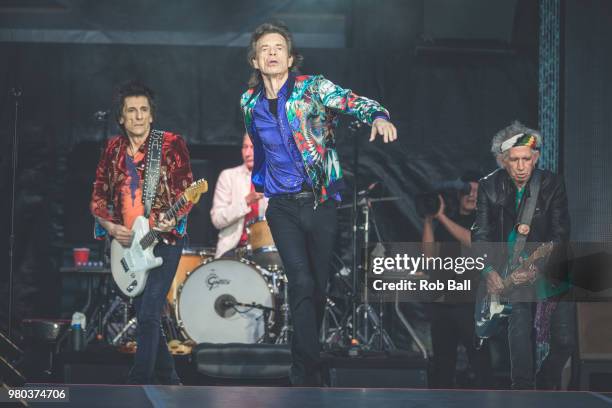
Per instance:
{"type": "Point", "coordinates": [365, 201]}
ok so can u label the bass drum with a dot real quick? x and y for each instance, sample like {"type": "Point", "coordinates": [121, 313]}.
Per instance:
{"type": "Point", "coordinates": [190, 259]}
{"type": "Point", "coordinates": [205, 309]}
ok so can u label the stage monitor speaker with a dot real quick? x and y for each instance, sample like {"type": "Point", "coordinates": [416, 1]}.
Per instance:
{"type": "Point", "coordinates": [595, 346]}
{"type": "Point", "coordinates": [86, 373]}
{"type": "Point", "coordinates": [394, 370]}
{"type": "Point", "coordinates": [97, 365]}
{"type": "Point", "coordinates": [595, 331]}
{"type": "Point", "coordinates": [242, 361]}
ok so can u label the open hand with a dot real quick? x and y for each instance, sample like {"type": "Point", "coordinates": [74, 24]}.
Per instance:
{"type": "Point", "coordinates": [442, 208]}
{"type": "Point", "coordinates": [384, 128]}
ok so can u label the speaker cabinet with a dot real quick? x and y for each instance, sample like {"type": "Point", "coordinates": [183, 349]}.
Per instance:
{"type": "Point", "coordinates": [595, 345]}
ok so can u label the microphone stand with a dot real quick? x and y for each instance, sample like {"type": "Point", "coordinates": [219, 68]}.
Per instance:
{"type": "Point", "coordinates": [16, 93]}
{"type": "Point", "coordinates": [354, 127]}
{"type": "Point", "coordinates": [102, 117]}
{"type": "Point", "coordinates": [252, 305]}
{"type": "Point", "coordinates": [266, 314]}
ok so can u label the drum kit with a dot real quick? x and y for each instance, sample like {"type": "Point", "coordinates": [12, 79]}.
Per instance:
{"type": "Point", "coordinates": [237, 299]}
{"type": "Point", "coordinates": [243, 298]}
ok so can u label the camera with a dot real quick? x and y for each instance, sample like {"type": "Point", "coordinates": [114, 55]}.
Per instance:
{"type": "Point", "coordinates": [428, 203]}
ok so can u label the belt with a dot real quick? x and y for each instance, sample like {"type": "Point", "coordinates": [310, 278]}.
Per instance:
{"type": "Point", "coordinates": [302, 195]}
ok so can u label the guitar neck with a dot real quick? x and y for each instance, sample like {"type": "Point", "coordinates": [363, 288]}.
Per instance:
{"type": "Point", "coordinates": [173, 211]}
{"type": "Point", "coordinates": [153, 235]}
{"type": "Point", "coordinates": [537, 254]}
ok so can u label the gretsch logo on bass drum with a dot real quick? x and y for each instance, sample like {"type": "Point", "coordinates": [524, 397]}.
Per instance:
{"type": "Point", "coordinates": [213, 281]}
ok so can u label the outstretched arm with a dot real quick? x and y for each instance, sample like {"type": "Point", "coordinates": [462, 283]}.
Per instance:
{"type": "Point", "coordinates": [365, 109]}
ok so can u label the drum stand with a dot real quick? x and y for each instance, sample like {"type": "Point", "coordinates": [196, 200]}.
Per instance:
{"type": "Point", "coordinates": [128, 325]}
{"type": "Point", "coordinates": [360, 327]}
{"type": "Point", "coordinates": [167, 324]}
{"type": "Point", "coordinates": [284, 337]}
{"type": "Point", "coordinates": [332, 330]}
{"type": "Point", "coordinates": [366, 316]}
{"type": "Point", "coordinates": [118, 302]}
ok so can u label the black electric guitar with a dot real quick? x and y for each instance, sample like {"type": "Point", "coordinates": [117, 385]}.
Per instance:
{"type": "Point", "coordinates": [491, 309]}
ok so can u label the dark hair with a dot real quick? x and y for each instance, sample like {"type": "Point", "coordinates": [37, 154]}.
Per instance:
{"type": "Point", "coordinates": [131, 88]}
{"type": "Point", "coordinates": [268, 28]}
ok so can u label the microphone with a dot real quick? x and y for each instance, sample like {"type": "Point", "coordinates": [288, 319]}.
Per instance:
{"type": "Point", "coordinates": [369, 188]}
{"type": "Point", "coordinates": [16, 92]}
{"type": "Point", "coordinates": [227, 303]}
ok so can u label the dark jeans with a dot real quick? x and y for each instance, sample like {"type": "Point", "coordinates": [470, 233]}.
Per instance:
{"type": "Point", "coordinates": [451, 325]}
{"type": "Point", "coordinates": [305, 239]}
{"type": "Point", "coordinates": [153, 363]}
{"type": "Point", "coordinates": [521, 339]}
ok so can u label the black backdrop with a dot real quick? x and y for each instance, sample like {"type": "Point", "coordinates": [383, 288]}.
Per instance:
{"type": "Point", "coordinates": [446, 103]}
{"type": "Point", "coordinates": [588, 122]}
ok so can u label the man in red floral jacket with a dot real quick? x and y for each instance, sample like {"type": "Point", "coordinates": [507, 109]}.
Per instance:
{"type": "Point", "coordinates": [117, 200]}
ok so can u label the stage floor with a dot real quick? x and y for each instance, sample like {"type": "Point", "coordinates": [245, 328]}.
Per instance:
{"type": "Point", "coordinates": [103, 396]}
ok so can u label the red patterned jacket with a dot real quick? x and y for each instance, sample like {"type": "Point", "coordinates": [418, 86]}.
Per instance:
{"type": "Point", "coordinates": [175, 177]}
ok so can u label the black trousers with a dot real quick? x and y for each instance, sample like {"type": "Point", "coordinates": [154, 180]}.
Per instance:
{"type": "Point", "coordinates": [305, 239]}
{"type": "Point", "coordinates": [153, 363]}
{"type": "Point", "coordinates": [451, 325]}
{"type": "Point", "coordinates": [521, 339]}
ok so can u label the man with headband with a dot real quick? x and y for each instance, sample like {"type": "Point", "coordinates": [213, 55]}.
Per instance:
{"type": "Point", "coordinates": [502, 197]}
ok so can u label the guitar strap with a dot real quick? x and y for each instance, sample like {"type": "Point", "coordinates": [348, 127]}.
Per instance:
{"type": "Point", "coordinates": [152, 169]}
{"type": "Point", "coordinates": [526, 214]}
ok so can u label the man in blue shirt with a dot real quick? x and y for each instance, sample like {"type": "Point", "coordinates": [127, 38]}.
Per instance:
{"type": "Point", "coordinates": [290, 120]}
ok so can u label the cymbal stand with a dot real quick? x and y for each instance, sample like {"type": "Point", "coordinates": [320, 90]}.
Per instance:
{"type": "Point", "coordinates": [360, 328]}
{"type": "Point", "coordinates": [129, 324]}
{"type": "Point", "coordinates": [284, 336]}
{"type": "Point", "coordinates": [370, 316]}
{"type": "Point", "coordinates": [333, 330]}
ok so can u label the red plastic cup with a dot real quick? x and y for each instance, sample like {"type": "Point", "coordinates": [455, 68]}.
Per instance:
{"type": "Point", "coordinates": [81, 256]}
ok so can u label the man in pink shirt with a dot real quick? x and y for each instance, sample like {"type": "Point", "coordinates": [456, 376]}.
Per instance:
{"type": "Point", "coordinates": [236, 203]}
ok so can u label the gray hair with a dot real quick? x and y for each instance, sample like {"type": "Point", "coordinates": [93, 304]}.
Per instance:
{"type": "Point", "coordinates": [506, 133]}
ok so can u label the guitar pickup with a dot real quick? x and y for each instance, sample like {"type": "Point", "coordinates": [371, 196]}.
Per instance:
{"type": "Point", "coordinates": [132, 285]}
{"type": "Point", "coordinates": [124, 265]}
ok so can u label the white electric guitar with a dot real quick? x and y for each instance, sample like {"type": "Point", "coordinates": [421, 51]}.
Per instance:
{"type": "Point", "coordinates": [130, 266]}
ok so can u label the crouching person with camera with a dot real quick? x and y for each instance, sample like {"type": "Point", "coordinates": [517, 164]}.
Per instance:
{"type": "Point", "coordinates": [452, 316]}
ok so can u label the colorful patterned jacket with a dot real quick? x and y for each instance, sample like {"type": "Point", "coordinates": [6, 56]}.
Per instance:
{"type": "Point", "coordinates": [175, 177]}
{"type": "Point", "coordinates": [312, 109]}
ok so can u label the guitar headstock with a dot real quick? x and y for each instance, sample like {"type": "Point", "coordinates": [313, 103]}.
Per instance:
{"type": "Point", "coordinates": [542, 251]}
{"type": "Point", "coordinates": [195, 190]}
